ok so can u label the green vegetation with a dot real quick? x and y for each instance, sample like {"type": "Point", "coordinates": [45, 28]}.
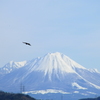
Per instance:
{"type": "Point", "coordinates": [13, 96]}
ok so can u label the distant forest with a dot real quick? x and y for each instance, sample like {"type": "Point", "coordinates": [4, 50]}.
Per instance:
{"type": "Point", "coordinates": [98, 98]}
{"type": "Point", "coordinates": [13, 96]}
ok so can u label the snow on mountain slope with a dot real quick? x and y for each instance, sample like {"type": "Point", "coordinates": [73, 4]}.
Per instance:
{"type": "Point", "coordinates": [77, 86]}
{"type": "Point", "coordinates": [47, 91]}
{"type": "Point", "coordinates": [91, 75]}
{"type": "Point", "coordinates": [11, 66]}
{"type": "Point", "coordinates": [55, 62]}
{"type": "Point", "coordinates": [54, 71]}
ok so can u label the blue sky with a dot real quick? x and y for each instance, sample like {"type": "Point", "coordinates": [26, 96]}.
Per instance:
{"type": "Point", "coordinates": [71, 27]}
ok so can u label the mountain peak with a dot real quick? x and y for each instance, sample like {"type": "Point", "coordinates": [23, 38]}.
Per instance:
{"type": "Point", "coordinates": [55, 63]}
{"type": "Point", "coordinates": [54, 72]}
{"type": "Point", "coordinates": [64, 58]}
{"type": "Point", "coordinates": [11, 66]}
{"type": "Point", "coordinates": [56, 53]}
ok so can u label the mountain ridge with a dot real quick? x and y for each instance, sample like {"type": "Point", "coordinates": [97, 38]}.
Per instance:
{"type": "Point", "coordinates": [53, 72]}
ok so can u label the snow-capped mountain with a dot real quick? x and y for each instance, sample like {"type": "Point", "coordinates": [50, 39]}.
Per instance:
{"type": "Point", "coordinates": [53, 73]}
{"type": "Point", "coordinates": [11, 66]}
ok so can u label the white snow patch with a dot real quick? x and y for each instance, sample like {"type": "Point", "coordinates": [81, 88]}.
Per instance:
{"type": "Point", "coordinates": [94, 70]}
{"type": "Point", "coordinates": [76, 92]}
{"type": "Point", "coordinates": [46, 91]}
{"type": "Point", "coordinates": [91, 93]}
{"type": "Point", "coordinates": [84, 94]}
{"type": "Point", "coordinates": [96, 86]}
{"type": "Point", "coordinates": [77, 86]}
{"type": "Point", "coordinates": [21, 64]}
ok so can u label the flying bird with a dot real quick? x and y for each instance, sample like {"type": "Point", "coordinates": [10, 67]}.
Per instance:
{"type": "Point", "coordinates": [27, 43]}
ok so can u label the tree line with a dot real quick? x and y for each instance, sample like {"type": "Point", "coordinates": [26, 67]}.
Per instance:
{"type": "Point", "coordinates": [13, 96]}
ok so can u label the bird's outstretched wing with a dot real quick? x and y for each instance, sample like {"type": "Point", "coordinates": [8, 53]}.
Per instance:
{"type": "Point", "coordinates": [27, 43]}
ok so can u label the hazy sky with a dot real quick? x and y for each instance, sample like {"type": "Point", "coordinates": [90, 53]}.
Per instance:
{"type": "Point", "coordinates": [71, 27]}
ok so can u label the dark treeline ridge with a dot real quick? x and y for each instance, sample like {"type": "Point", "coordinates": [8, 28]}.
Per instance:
{"type": "Point", "coordinates": [98, 98]}
{"type": "Point", "coordinates": [13, 96]}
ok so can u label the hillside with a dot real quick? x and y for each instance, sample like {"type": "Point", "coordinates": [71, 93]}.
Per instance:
{"type": "Point", "coordinates": [12, 96]}
{"type": "Point", "coordinates": [98, 98]}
